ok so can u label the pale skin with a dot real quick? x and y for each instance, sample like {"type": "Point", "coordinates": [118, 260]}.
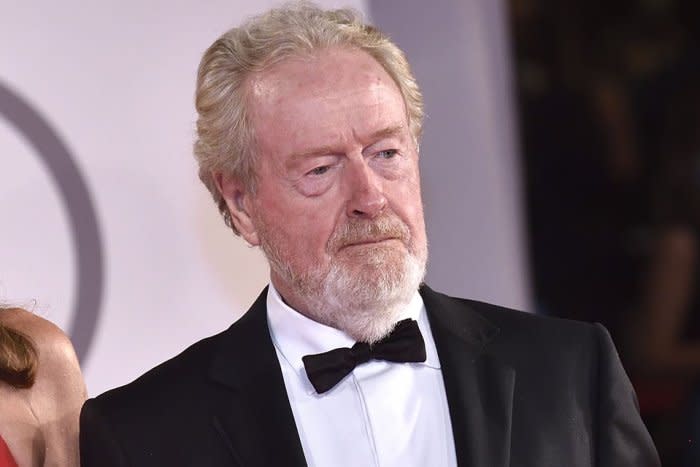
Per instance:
{"type": "Point", "coordinates": [40, 424]}
{"type": "Point", "coordinates": [333, 145]}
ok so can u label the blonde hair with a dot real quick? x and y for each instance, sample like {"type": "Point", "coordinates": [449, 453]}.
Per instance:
{"type": "Point", "coordinates": [18, 357]}
{"type": "Point", "coordinates": [225, 141]}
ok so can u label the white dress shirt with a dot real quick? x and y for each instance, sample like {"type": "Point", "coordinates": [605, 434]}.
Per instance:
{"type": "Point", "coordinates": [382, 414]}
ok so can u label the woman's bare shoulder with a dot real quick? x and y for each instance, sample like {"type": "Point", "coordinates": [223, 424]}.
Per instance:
{"type": "Point", "coordinates": [56, 356]}
{"type": "Point", "coordinates": [58, 391]}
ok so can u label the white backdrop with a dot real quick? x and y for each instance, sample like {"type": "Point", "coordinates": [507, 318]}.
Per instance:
{"type": "Point", "coordinates": [115, 81]}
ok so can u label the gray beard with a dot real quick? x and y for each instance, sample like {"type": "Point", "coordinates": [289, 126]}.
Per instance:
{"type": "Point", "coordinates": [364, 301]}
{"type": "Point", "coordinates": [368, 310]}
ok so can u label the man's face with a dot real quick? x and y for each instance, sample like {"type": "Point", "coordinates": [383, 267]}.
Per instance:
{"type": "Point", "coordinates": [338, 207]}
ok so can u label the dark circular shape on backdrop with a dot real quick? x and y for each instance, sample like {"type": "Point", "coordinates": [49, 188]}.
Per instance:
{"type": "Point", "coordinates": [86, 240]}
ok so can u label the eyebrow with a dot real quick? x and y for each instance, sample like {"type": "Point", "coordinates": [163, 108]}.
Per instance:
{"type": "Point", "coordinates": [387, 132]}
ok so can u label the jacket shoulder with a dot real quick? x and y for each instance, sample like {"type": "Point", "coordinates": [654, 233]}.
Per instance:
{"type": "Point", "coordinates": [509, 320]}
{"type": "Point", "coordinates": [504, 316]}
{"type": "Point", "coordinates": [515, 335]}
{"type": "Point", "coordinates": [165, 383]}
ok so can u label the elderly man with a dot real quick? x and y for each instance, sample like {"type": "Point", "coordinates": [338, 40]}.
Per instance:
{"type": "Point", "coordinates": [308, 132]}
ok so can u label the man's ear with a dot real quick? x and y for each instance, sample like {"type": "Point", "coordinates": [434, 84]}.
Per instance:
{"type": "Point", "coordinates": [238, 200]}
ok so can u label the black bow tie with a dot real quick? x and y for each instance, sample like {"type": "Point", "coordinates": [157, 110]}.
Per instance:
{"type": "Point", "coordinates": [403, 344]}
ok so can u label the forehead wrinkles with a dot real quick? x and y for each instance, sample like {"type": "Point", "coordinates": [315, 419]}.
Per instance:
{"type": "Point", "coordinates": [291, 101]}
{"type": "Point", "coordinates": [286, 110]}
{"type": "Point", "coordinates": [275, 89]}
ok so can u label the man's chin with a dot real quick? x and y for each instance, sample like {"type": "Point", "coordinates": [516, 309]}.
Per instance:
{"type": "Point", "coordinates": [366, 302]}
{"type": "Point", "coordinates": [364, 291]}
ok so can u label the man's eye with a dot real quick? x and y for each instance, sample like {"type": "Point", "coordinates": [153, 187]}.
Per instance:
{"type": "Point", "coordinates": [319, 170]}
{"type": "Point", "coordinates": [387, 154]}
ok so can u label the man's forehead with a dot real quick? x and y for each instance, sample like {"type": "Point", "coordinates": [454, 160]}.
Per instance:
{"type": "Point", "coordinates": [313, 75]}
{"type": "Point", "coordinates": [324, 100]}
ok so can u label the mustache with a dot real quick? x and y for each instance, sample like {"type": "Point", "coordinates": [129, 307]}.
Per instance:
{"type": "Point", "coordinates": [364, 231]}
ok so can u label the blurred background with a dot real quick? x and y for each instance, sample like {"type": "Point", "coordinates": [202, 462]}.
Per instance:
{"type": "Point", "coordinates": [560, 166]}
{"type": "Point", "coordinates": [608, 98]}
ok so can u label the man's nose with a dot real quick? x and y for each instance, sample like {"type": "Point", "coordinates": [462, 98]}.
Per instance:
{"type": "Point", "coordinates": [365, 191]}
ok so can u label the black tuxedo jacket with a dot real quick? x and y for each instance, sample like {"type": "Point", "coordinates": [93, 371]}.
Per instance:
{"type": "Point", "coordinates": [522, 391]}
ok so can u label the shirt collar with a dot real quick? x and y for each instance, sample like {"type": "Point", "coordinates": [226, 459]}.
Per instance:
{"type": "Point", "coordinates": [294, 335]}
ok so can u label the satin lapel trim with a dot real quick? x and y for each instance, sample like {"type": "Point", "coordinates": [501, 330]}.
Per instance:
{"type": "Point", "coordinates": [479, 388]}
{"type": "Point", "coordinates": [255, 419]}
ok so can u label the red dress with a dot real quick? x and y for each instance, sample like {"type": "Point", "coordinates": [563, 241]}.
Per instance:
{"type": "Point", "coordinates": [6, 459]}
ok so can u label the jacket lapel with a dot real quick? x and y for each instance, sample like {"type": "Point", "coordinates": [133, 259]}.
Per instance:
{"type": "Point", "coordinates": [255, 418]}
{"type": "Point", "coordinates": [479, 388]}
{"type": "Point", "coordinates": [256, 422]}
